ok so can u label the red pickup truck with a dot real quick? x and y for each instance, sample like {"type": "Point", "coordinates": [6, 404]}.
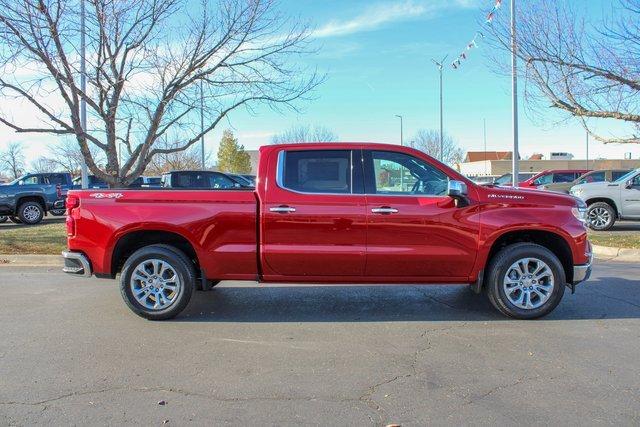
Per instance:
{"type": "Point", "coordinates": [333, 213]}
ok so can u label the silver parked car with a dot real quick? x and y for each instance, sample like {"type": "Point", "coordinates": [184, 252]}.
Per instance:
{"type": "Point", "coordinates": [609, 201]}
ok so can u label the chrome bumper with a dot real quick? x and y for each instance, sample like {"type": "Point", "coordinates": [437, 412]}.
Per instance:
{"type": "Point", "coordinates": [582, 272]}
{"type": "Point", "coordinates": [76, 263]}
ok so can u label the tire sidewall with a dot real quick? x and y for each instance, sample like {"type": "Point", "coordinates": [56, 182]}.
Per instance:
{"type": "Point", "coordinates": [185, 275]}
{"type": "Point", "coordinates": [611, 216]}
{"type": "Point", "coordinates": [505, 259]}
{"type": "Point", "coordinates": [3, 219]}
{"type": "Point", "coordinates": [24, 206]}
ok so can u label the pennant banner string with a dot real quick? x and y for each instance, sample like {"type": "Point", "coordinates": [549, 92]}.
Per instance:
{"type": "Point", "coordinates": [478, 36]}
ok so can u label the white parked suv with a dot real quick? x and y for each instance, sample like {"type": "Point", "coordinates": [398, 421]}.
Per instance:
{"type": "Point", "coordinates": [609, 201]}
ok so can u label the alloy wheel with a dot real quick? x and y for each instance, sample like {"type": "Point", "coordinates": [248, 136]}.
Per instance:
{"type": "Point", "coordinates": [155, 284]}
{"type": "Point", "coordinates": [599, 217]}
{"type": "Point", "coordinates": [528, 283]}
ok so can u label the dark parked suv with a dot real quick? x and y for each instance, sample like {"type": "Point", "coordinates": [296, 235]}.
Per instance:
{"type": "Point", "coordinates": [200, 179]}
{"type": "Point", "coordinates": [28, 198]}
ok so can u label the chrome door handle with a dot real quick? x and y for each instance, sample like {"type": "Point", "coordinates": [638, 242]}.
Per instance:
{"type": "Point", "coordinates": [282, 209]}
{"type": "Point", "coordinates": [384, 210]}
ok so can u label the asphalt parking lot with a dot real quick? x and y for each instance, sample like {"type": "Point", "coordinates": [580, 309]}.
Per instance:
{"type": "Point", "coordinates": [72, 353]}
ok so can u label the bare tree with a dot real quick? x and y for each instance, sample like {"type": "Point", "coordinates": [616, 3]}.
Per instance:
{"type": "Point", "coordinates": [65, 155]}
{"type": "Point", "coordinates": [150, 64]}
{"type": "Point", "coordinates": [12, 160]}
{"type": "Point", "coordinates": [188, 159]}
{"type": "Point", "coordinates": [589, 70]}
{"type": "Point", "coordinates": [305, 134]}
{"type": "Point", "coordinates": [428, 141]}
{"type": "Point", "coordinates": [43, 165]}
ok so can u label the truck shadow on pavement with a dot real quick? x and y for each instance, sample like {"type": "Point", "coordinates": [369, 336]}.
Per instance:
{"type": "Point", "coordinates": [606, 297]}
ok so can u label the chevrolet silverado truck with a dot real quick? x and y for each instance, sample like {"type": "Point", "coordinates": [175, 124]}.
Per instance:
{"type": "Point", "coordinates": [609, 201]}
{"type": "Point", "coordinates": [333, 213]}
{"type": "Point", "coordinates": [29, 198]}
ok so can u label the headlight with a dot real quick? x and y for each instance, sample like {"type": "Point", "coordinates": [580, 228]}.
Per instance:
{"type": "Point", "coordinates": [580, 213]}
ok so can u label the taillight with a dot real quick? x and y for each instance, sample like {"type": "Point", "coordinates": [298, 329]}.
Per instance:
{"type": "Point", "coordinates": [71, 226]}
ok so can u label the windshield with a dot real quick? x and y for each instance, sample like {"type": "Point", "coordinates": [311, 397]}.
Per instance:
{"type": "Point", "coordinates": [627, 176]}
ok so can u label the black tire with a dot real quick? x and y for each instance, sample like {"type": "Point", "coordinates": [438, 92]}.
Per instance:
{"type": "Point", "coordinates": [198, 286]}
{"type": "Point", "coordinates": [57, 212]}
{"type": "Point", "coordinates": [31, 213]}
{"type": "Point", "coordinates": [598, 211]}
{"type": "Point", "coordinates": [499, 267]}
{"type": "Point", "coordinates": [3, 219]}
{"type": "Point", "coordinates": [183, 268]}
{"type": "Point", "coordinates": [15, 220]}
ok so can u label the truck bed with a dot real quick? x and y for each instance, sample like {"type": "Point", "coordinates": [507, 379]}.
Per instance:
{"type": "Point", "coordinates": [221, 226]}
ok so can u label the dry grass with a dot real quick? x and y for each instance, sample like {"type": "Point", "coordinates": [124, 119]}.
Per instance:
{"type": "Point", "coordinates": [615, 239]}
{"type": "Point", "coordinates": [45, 238]}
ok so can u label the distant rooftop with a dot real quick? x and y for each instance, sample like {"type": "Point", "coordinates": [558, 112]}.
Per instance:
{"type": "Point", "coordinates": [479, 156]}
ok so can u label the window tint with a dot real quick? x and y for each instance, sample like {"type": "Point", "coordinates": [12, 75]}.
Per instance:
{"type": "Point", "coordinates": [564, 177]}
{"type": "Point", "coordinates": [318, 171]}
{"type": "Point", "coordinates": [544, 179]}
{"type": "Point", "coordinates": [398, 173]}
{"type": "Point", "coordinates": [618, 174]}
{"type": "Point", "coordinates": [218, 180]}
{"type": "Point", "coordinates": [593, 177]}
{"type": "Point", "coordinates": [29, 180]}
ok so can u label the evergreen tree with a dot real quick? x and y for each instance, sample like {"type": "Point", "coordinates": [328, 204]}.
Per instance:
{"type": "Point", "coordinates": [231, 155]}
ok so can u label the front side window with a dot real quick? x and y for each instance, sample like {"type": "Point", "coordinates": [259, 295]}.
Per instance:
{"type": "Point", "coordinates": [402, 174]}
{"type": "Point", "coordinates": [593, 177]}
{"type": "Point", "coordinates": [30, 180]}
{"type": "Point", "coordinates": [317, 171]}
{"type": "Point", "coordinates": [616, 175]}
{"type": "Point", "coordinates": [544, 179]}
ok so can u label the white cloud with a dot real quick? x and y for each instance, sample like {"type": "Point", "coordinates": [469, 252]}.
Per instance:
{"type": "Point", "coordinates": [380, 14]}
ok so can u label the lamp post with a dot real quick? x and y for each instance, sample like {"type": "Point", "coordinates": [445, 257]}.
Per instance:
{"type": "Point", "coordinates": [202, 124]}
{"type": "Point", "coordinates": [401, 130]}
{"type": "Point", "coordinates": [587, 132]}
{"type": "Point", "coordinates": [514, 97]}
{"type": "Point", "coordinates": [440, 68]}
{"type": "Point", "coordinates": [83, 87]}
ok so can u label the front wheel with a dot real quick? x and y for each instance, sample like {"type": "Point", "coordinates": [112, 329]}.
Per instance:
{"type": "Point", "coordinates": [600, 216]}
{"type": "Point", "coordinates": [30, 213]}
{"type": "Point", "coordinates": [157, 282]}
{"type": "Point", "coordinates": [525, 281]}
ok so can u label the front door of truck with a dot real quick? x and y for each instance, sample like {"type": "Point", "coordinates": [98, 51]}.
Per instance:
{"type": "Point", "coordinates": [313, 216]}
{"type": "Point", "coordinates": [630, 197]}
{"type": "Point", "coordinates": [414, 228]}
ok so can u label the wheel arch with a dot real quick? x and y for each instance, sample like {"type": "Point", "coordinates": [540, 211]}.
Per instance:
{"type": "Point", "coordinates": [606, 200]}
{"type": "Point", "coordinates": [31, 198]}
{"type": "Point", "coordinates": [554, 242]}
{"type": "Point", "coordinates": [130, 242]}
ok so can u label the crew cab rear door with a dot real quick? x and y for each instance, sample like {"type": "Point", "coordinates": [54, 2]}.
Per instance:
{"type": "Point", "coordinates": [313, 216]}
{"type": "Point", "coordinates": [414, 228]}
{"type": "Point", "coordinates": [630, 197]}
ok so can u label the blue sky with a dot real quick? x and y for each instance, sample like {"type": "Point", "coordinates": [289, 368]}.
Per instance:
{"type": "Point", "coordinates": [377, 56]}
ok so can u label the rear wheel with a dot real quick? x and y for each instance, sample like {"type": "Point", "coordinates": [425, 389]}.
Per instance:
{"type": "Point", "coordinates": [525, 281]}
{"type": "Point", "coordinates": [30, 212]}
{"type": "Point", "coordinates": [600, 216]}
{"type": "Point", "coordinates": [157, 282]}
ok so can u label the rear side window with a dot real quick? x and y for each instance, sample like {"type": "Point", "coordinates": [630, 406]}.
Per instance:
{"type": "Point", "coordinates": [618, 174]}
{"type": "Point", "coordinates": [57, 178]}
{"type": "Point", "coordinates": [317, 171]}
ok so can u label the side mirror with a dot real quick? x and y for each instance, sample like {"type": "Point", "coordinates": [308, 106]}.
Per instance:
{"type": "Point", "coordinates": [457, 189]}
{"type": "Point", "coordinates": [629, 184]}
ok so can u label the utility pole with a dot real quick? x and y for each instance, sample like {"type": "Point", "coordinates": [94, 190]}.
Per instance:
{"type": "Point", "coordinates": [484, 132]}
{"type": "Point", "coordinates": [401, 130]}
{"type": "Point", "coordinates": [514, 96]}
{"type": "Point", "coordinates": [83, 87]}
{"type": "Point", "coordinates": [587, 149]}
{"type": "Point", "coordinates": [202, 124]}
{"type": "Point", "coordinates": [440, 67]}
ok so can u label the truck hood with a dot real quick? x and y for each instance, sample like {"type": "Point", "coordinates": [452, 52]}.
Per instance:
{"type": "Point", "coordinates": [527, 195]}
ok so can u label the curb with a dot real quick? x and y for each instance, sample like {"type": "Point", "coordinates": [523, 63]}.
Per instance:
{"type": "Point", "coordinates": [616, 254]}
{"type": "Point", "coordinates": [31, 261]}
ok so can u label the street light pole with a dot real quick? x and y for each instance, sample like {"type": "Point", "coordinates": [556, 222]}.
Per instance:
{"type": "Point", "coordinates": [440, 68]}
{"type": "Point", "coordinates": [587, 149]}
{"type": "Point", "coordinates": [514, 96]}
{"type": "Point", "coordinates": [202, 124]}
{"type": "Point", "coordinates": [83, 87]}
{"type": "Point", "coordinates": [401, 130]}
